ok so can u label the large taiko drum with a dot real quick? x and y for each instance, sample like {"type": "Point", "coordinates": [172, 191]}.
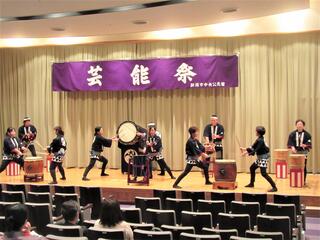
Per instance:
{"type": "Point", "coordinates": [225, 170]}
{"type": "Point", "coordinates": [127, 133]}
{"type": "Point", "coordinates": [33, 169]}
{"type": "Point", "coordinates": [281, 154]}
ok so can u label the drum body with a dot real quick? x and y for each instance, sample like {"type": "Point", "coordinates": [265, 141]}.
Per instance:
{"type": "Point", "coordinates": [127, 133]}
{"type": "Point", "coordinates": [225, 170]}
{"type": "Point", "coordinates": [33, 168]}
{"type": "Point", "coordinates": [281, 154]}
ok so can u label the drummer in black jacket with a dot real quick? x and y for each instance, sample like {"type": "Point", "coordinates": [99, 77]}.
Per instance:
{"type": "Point", "coordinates": [58, 148]}
{"type": "Point", "coordinates": [96, 149]}
{"type": "Point", "coordinates": [261, 149]}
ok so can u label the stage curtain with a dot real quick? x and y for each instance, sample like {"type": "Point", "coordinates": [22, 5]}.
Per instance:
{"type": "Point", "coordinates": [279, 82]}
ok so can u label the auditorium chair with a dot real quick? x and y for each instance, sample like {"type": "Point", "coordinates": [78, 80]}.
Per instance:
{"type": "Point", "coordinates": [261, 198]}
{"type": "Point", "coordinates": [95, 234]}
{"type": "Point", "coordinates": [40, 215]}
{"type": "Point", "coordinates": [40, 188]}
{"type": "Point", "coordinates": [189, 236]}
{"type": "Point", "coordinates": [271, 235]}
{"type": "Point", "coordinates": [241, 222]}
{"type": "Point", "coordinates": [161, 217]}
{"type": "Point", "coordinates": [274, 209]}
{"type": "Point", "coordinates": [89, 223]}
{"type": "Point", "coordinates": [198, 220]}
{"type": "Point", "coordinates": [195, 196]}
{"type": "Point", "coordinates": [65, 231]}
{"type": "Point", "coordinates": [64, 189]}
{"type": "Point", "coordinates": [179, 205]}
{"type": "Point", "coordinates": [132, 215]}
{"type": "Point", "coordinates": [148, 235]}
{"type": "Point", "coordinates": [13, 196]}
{"type": "Point", "coordinates": [93, 196]}
{"type": "Point", "coordinates": [214, 207]}
{"type": "Point", "coordinates": [251, 208]}
{"type": "Point", "coordinates": [0, 192]}
{"type": "Point", "coordinates": [144, 203]}
{"type": "Point", "coordinates": [163, 194]}
{"type": "Point", "coordinates": [142, 226]}
{"type": "Point", "coordinates": [53, 237]}
{"type": "Point", "coordinates": [244, 238]}
{"type": "Point", "coordinates": [4, 205]}
{"type": "Point", "coordinates": [294, 199]}
{"type": "Point", "coordinates": [2, 224]}
{"type": "Point", "coordinates": [39, 197]}
{"type": "Point", "coordinates": [275, 224]}
{"type": "Point", "coordinates": [177, 230]}
{"type": "Point", "coordinates": [223, 233]}
{"type": "Point", "coordinates": [228, 197]}
{"type": "Point", "coordinates": [16, 188]}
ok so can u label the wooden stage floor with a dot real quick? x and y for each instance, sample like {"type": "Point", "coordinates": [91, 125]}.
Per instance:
{"type": "Point", "coordinates": [116, 184]}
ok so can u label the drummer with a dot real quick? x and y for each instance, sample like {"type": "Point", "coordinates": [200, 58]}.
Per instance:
{"type": "Point", "coordinates": [299, 142]}
{"type": "Point", "coordinates": [27, 133]}
{"type": "Point", "coordinates": [58, 148]}
{"type": "Point", "coordinates": [12, 149]}
{"type": "Point", "coordinates": [214, 133]}
{"type": "Point", "coordinates": [96, 149]}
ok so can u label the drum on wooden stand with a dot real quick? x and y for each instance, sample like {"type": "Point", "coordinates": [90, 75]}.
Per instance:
{"type": "Point", "coordinates": [281, 162]}
{"type": "Point", "coordinates": [127, 133]}
{"type": "Point", "coordinates": [225, 174]}
{"type": "Point", "coordinates": [33, 169]}
{"type": "Point", "coordinates": [296, 169]}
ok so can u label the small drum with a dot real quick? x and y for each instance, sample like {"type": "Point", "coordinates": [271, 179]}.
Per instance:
{"type": "Point", "coordinates": [127, 133]}
{"type": "Point", "coordinates": [225, 170]}
{"type": "Point", "coordinates": [281, 154]}
{"type": "Point", "coordinates": [209, 148]}
{"type": "Point", "coordinates": [33, 169]}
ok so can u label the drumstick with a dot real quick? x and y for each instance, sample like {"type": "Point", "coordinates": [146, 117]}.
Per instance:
{"type": "Point", "coordinates": [238, 141]}
{"type": "Point", "coordinates": [37, 142]}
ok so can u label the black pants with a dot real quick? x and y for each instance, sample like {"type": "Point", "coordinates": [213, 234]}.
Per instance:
{"type": "Point", "coordinates": [52, 169]}
{"type": "Point", "coordinates": [188, 169]}
{"type": "Point", "coordinates": [264, 174]}
{"type": "Point", "coordinates": [305, 169]}
{"type": "Point", "coordinates": [93, 162]}
{"type": "Point", "coordinates": [164, 167]}
{"type": "Point", "coordinates": [32, 150]}
{"type": "Point", "coordinates": [5, 163]}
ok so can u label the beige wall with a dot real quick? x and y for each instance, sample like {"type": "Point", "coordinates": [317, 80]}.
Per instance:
{"type": "Point", "coordinates": [279, 82]}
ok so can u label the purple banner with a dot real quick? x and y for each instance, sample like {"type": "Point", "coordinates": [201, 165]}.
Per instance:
{"type": "Point", "coordinates": [135, 75]}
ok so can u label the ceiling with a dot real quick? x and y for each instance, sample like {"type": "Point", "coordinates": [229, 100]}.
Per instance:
{"type": "Point", "coordinates": [190, 14]}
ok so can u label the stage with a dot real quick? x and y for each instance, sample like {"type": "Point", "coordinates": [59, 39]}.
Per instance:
{"type": "Point", "coordinates": [116, 184]}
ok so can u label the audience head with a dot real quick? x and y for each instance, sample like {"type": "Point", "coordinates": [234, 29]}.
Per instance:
{"type": "Point", "coordinates": [70, 211]}
{"type": "Point", "coordinates": [15, 217]}
{"type": "Point", "coordinates": [110, 213]}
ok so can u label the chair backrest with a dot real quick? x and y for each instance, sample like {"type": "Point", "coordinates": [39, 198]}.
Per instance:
{"type": "Point", "coordinates": [132, 215]}
{"type": "Point", "coordinates": [64, 189]}
{"type": "Point", "coordinates": [277, 209]}
{"type": "Point", "coordinates": [179, 205]}
{"type": "Point", "coordinates": [287, 199]}
{"type": "Point", "coordinates": [91, 195]}
{"type": "Point", "coordinates": [16, 188]}
{"type": "Point", "coordinates": [4, 205]}
{"type": "Point", "coordinates": [39, 188]}
{"type": "Point", "coordinates": [274, 224]}
{"type": "Point", "coordinates": [223, 233]}
{"type": "Point", "coordinates": [60, 198]}
{"type": "Point", "coordinates": [251, 208]}
{"type": "Point", "coordinates": [141, 226]}
{"type": "Point", "coordinates": [163, 194]}
{"type": "Point", "coordinates": [54, 237]}
{"type": "Point", "coordinates": [13, 196]}
{"type": "Point", "coordinates": [195, 196]}
{"type": "Point", "coordinates": [189, 236]}
{"type": "Point", "coordinates": [241, 222]}
{"type": "Point", "coordinates": [2, 224]}
{"type": "Point", "coordinates": [177, 230]}
{"type": "Point", "coordinates": [65, 231]}
{"type": "Point", "coordinates": [228, 197]}
{"type": "Point", "coordinates": [244, 238]}
{"type": "Point", "coordinates": [144, 203]}
{"type": "Point", "coordinates": [89, 223]}
{"type": "Point", "coordinates": [272, 235]}
{"type": "Point", "coordinates": [261, 198]}
{"type": "Point", "coordinates": [94, 233]}
{"type": "Point", "coordinates": [40, 215]}
{"type": "Point", "coordinates": [197, 219]}
{"type": "Point", "coordinates": [142, 235]}
{"type": "Point", "coordinates": [214, 207]}
{"type": "Point", "coordinates": [39, 197]}
{"type": "Point", "coordinates": [161, 217]}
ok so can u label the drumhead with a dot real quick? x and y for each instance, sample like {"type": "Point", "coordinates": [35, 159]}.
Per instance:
{"type": "Point", "coordinates": [127, 132]}
{"type": "Point", "coordinates": [33, 158]}
{"type": "Point", "coordinates": [225, 161]}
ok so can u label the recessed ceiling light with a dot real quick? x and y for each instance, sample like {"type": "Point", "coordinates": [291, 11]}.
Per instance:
{"type": "Point", "coordinates": [229, 10]}
{"type": "Point", "coordinates": [139, 22]}
{"type": "Point", "coordinates": [58, 29]}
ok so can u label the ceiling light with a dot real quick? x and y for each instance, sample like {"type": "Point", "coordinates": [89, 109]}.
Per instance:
{"type": "Point", "coordinates": [58, 29]}
{"type": "Point", "coordinates": [173, 33]}
{"type": "Point", "coordinates": [139, 22]}
{"type": "Point", "coordinates": [229, 10]}
{"type": "Point", "coordinates": [18, 42]}
{"type": "Point", "coordinates": [233, 28]}
{"type": "Point", "coordinates": [67, 40]}
{"type": "Point", "coordinates": [292, 21]}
